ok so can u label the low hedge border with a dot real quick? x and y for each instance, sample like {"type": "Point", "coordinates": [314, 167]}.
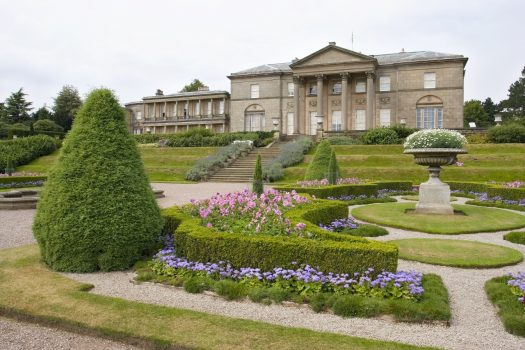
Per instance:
{"type": "Point", "coordinates": [370, 189]}
{"type": "Point", "coordinates": [332, 252]}
{"type": "Point", "coordinates": [491, 190]}
{"type": "Point", "coordinates": [17, 179]}
{"type": "Point", "coordinates": [510, 310]}
{"type": "Point", "coordinates": [496, 205]}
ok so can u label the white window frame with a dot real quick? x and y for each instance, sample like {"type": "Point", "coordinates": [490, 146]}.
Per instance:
{"type": "Point", "coordinates": [291, 89]}
{"type": "Point", "coordinates": [360, 114]}
{"type": "Point", "coordinates": [198, 108]}
{"type": "Point", "coordinates": [221, 107]}
{"type": "Point", "coordinates": [254, 91]}
{"type": "Point", "coordinates": [337, 121]}
{"type": "Point", "coordinates": [139, 115]}
{"type": "Point", "coordinates": [339, 90]}
{"type": "Point", "coordinates": [384, 83]}
{"type": "Point", "coordinates": [360, 86]}
{"type": "Point", "coordinates": [429, 80]}
{"type": "Point", "coordinates": [384, 117]}
{"type": "Point", "coordinates": [430, 117]}
{"type": "Point", "coordinates": [210, 108]}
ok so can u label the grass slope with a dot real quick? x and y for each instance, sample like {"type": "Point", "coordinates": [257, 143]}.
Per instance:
{"type": "Point", "coordinates": [477, 219]}
{"type": "Point", "coordinates": [162, 164]}
{"type": "Point", "coordinates": [449, 252]}
{"type": "Point", "coordinates": [31, 291]}
{"type": "Point", "coordinates": [484, 162]}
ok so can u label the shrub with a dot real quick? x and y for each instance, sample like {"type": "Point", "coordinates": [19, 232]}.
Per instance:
{"type": "Point", "coordinates": [505, 192]}
{"type": "Point", "coordinates": [400, 186]}
{"type": "Point", "coordinates": [200, 137]}
{"type": "Point", "coordinates": [97, 211]}
{"type": "Point", "coordinates": [229, 289]}
{"type": "Point", "coordinates": [344, 140]}
{"type": "Point", "coordinates": [196, 284]}
{"type": "Point", "coordinates": [290, 154]}
{"type": "Point", "coordinates": [515, 237]}
{"type": "Point", "coordinates": [368, 230]}
{"type": "Point", "coordinates": [507, 133]}
{"type": "Point", "coordinates": [318, 167]}
{"type": "Point", "coordinates": [402, 131]}
{"type": "Point", "coordinates": [257, 177]}
{"type": "Point", "coordinates": [273, 172]}
{"type": "Point", "coordinates": [478, 138]}
{"type": "Point", "coordinates": [334, 190]}
{"type": "Point", "coordinates": [25, 149]}
{"type": "Point", "coordinates": [380, 136]}
{"type": "Point", "coordinates": [333, 170]}
{"type": "Point", "coordinates": [356, 306]}
{"type": "Point", "coordinates": [47, 125]}
{"type": "Point", "coordinates": [467, 186]}
{"type": "Point", "coordinates": [435, 138]}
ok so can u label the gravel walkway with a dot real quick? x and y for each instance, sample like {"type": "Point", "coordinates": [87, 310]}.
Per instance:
{"type": "Point", "coordinates": [474, 325]}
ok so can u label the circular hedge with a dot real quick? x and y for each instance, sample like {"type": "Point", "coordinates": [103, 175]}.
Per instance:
{"type": "Point", "coordinates": [473, 219]}
{"type": "Point", "coordinates": [97, 210]}
{"type": "Point", "coordinates": [457, 253]}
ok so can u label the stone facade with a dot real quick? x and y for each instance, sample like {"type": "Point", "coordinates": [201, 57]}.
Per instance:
{"type": "Point", "coordinates": [333, 88]}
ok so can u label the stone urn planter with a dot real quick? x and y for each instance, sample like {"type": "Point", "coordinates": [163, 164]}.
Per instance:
{"type": "Point", "coordinates": [434, 195]}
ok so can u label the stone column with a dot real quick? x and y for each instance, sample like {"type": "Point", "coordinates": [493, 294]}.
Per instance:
{"type": "Point", "coordinates": [319, 95]}
{"type": "Point", "coordinates": [370, 101]}
{"type": "Point", "coordinates": [296, 82]}
{"type": "Point", "coordinates": [165, 111]}
{"type": "Point", "coordinates": [210, 112]}
{"type": "Point", "coordinates": [344, 101]}
{"type": "Point", "coordinates": [154, 110]}
{"type": "Point", "coordinates": [176, 114]}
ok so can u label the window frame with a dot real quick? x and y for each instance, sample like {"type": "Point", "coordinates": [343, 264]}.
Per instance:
{"type": "Point", "coordinates": [429, 83]}
{"type": "Point", "coordinates": [255, 91]}
{"type": "Point", "coordinates": [381, 110]}
{"type": "Point", "coordinates": [291, 92]}
{"type": "Point", "coordinates": [382, 84]}
{"type": "Point", "coordinates": [337, 91]}
{"type": "Point", "coordinates": [360, 83]}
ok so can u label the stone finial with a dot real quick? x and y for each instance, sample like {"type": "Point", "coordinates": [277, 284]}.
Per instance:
{"type": "Point", "coordinates": [331, 43]}
{"type": "Point", "coordinates": [159, 92]}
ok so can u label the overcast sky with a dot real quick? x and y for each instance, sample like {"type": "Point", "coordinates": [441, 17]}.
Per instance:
{"type": "Point", "coordinates": [135, 47]}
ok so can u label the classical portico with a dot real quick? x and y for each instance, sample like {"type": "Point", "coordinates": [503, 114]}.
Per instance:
{"type": "Point", "coordinates": [336, 87]}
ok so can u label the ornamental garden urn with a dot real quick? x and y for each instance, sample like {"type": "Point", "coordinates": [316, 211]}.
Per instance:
{"type": "Point", "coordinates": [435, 148]}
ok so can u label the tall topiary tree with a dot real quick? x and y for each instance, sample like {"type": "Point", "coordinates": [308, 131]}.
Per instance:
{"type": "Point", "coordinates": [333, 170]}
{"type": "Point", "coordinates": [318, 168]}
{"type": "Point", "coordinates": [258, 177]}
{"type": "Point", "coordinates": [97, 211]}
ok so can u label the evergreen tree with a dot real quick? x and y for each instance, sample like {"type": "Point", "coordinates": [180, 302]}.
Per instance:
{"type": "Point", "coordinates": [473, 112]}
{"type": "Point", "coordinates": [193, 86]}
{"type": "Point", "coordinates": [490, 108]}
{"type": "Point", "coordinates": [513, 108]}
{"type": "Point", "coordinates": [333, 170]}
{"type": "Point", "coordinates": [43, 113]}
{"type": "Point", "coordinates": [258, 177]}
{"type": "Point", "coordinates": [3, 117]}
{"type": "Point", "coordinates": [67, 104]}
{"type": "Point", "coordinates": [97, 210]}
{"type": "Point", "coordinates": [318, 167]}
{"type": "Point", "coordinates": [16, 109]}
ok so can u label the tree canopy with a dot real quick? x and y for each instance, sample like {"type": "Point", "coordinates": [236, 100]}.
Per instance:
{"type": "Point", "coordinates": [473, 112]}
{"type": "Point", "coordinates": [16, 108]}
{"type": "Point", "coordinates": [513, 108]}
{"type": "Point", "coordinates": [67, 104]}
{"type": "Point", "coordinates": [42, 113]}
{"type": "Point", "coordinates": [193, 86]}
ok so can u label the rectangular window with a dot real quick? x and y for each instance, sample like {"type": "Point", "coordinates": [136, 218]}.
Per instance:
{"type": "Point", "coordinates": [139, 115]}
{"type": "Point", "coordinates": [221, 107]}
{"type": "Point", "coordinates": [174, 113]}
{"type": "Point", "coordinates": [360, 119]}
{"type": "Point", "coordinates": [290, 124]}
{"type": "Point", "coordinates": [384, 117]}
{"type": "Point", "coordinates": [429, 117]}
{"type": "Point", "coordinates": [209, 108]}
{"type": "Point", "coordinates": [336, 120]}
{"type": "Point", "coordinates": [198, 108]}
{"type": "Point", "coordinates": [360, 86]}
{"type": "Point", "coordinates": [291, 88]}
{"type": "Point", "coordinates": [384, 83]}
{"type": "Point", "coordinates": [254, 91]}
{"type": "Point", "coordinates": [429, 80]}
{"type": "Point", "coordinates": [186, 110]}
{"type": "Point", "coordinates": [151, 111]}
{"type": "Point", "coordinates": [313, 123]}
{"type": "Point", "coordinates": [254, 122]}
{"type": "Point", "coordinates": [312, 89]}
{"type": "Point", "coordinates": [336, 88]}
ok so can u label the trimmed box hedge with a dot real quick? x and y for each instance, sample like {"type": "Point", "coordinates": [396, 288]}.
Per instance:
{"type": "Point", "coordinates": [394, 185]}
{"type": "Point", "coordinates": [330, 253]}
{"type": "Point", "coordinates": [349, 189]}
{"type": "Point", "coordinates": [491, 190]}
{"type": "Point", "coordinates": [17, 179]}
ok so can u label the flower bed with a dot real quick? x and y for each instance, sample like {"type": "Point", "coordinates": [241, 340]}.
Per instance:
{"type": "Point", "coordinates": [506, 293]}
{"type": "Point", "coordinates": [435, 138]}
{"type": "Point", "coordinates": [517, 286]}
{"type": "Point", "coordinates": [275, 237]}
{"type": "Point", "coordinates": [21, 181]}
{"type": "Point", "coordinates": [324, 182]}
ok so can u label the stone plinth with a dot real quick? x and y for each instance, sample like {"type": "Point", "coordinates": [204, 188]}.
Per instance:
{"type": "Point", "coordinates": [434, 198]}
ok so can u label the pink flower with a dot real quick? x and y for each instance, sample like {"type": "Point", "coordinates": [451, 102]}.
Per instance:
{"type": "Point", "coordinates": [300, 226]}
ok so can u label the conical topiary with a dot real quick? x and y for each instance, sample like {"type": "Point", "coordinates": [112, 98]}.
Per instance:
{"type": "Point", "coordinates": [333, 170]}
{"type": "Point", "coordinates": [318, 168]}
{"type": "Point", "coordinates": [97, 210]}
{"type": "Point", "coordinates": [258, 177]}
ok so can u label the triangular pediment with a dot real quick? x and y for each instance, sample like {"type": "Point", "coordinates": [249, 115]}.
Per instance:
{"type": "Point", "coordinates": [332, 54]}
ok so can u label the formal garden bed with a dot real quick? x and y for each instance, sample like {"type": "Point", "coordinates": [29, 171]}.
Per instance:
{"type": "Point", "coordinates": [517, 237]}
{"type": "Point", "coordinates": [456, 253]}
{"type": "Point", "coordinates": [507, 294]}
{"type": "Point", "coordinates": [470, 219]}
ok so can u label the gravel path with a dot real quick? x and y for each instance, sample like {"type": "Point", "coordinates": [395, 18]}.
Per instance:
{"type": "Point", "coordinates": [474, 325]}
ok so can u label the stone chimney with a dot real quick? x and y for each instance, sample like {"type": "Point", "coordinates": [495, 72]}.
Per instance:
{"type": "Point", "coordinates": [204, 88]}
{"type": "Point", "coordinates": [159, 93]}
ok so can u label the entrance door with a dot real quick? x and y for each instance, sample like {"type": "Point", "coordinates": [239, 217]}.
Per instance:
{"type": "Point", "coordinates": [313, 123]}
{"type": "Point", "coordinates": [290, 124]}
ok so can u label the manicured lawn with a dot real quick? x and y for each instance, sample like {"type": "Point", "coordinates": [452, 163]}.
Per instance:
{"type": "Point", "coordinates": [510, 311]}
{"type": "Point", "coordinates": [162, 164]}
{"type": "Point", "coordinates": [416, 198]}
{"type": "Point", "coordinates": [30, 290]}
{"type": "Point", "coordinates": [448, 252]}
{"type": "Point", "coordinates": [476, 219]}
{"type": "Point", "coordinates": [484, 162]}
{"type": "Point", "coordinates": [517, 237]}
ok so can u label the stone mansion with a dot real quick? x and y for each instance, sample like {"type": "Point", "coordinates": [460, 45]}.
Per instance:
{"type": "Point", "coordinates": [334, 88]}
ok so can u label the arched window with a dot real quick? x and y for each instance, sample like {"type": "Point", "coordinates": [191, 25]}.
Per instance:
{"type": "Point", "coordinates": [429, 112]}
{"type": "Point", "coordinates": [254, 118]}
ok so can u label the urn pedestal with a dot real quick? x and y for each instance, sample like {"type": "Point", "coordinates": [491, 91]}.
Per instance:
{"type": "Point", "coordinates": [434, 195]}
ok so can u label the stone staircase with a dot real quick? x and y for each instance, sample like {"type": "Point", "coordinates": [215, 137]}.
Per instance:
{"type": "Point", "coordinates": [241, 170]}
